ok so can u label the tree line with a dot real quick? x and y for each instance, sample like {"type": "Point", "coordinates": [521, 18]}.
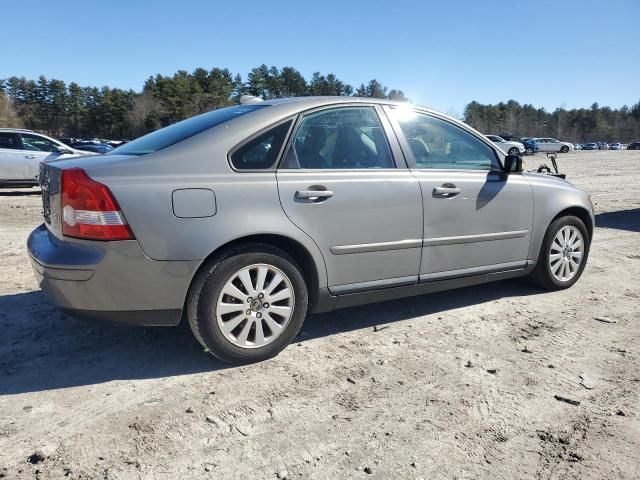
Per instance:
{"type": "Point", "coordinates": [580, 125]}
{"type": "Point", "coordinates": [53, 107]}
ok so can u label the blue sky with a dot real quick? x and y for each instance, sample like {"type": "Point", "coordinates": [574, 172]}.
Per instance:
{"type": "Point", "coordinates": [441, 53]}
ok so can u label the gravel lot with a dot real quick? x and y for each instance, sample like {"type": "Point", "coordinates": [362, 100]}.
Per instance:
{"type": "Point", "coordinates": [461, 384]}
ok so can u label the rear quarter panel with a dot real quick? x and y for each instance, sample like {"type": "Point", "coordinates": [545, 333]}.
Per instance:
{"type": "Point", "coordinates": [246, 203]}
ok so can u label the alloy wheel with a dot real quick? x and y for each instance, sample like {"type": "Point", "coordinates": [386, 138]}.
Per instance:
{"type": "Point", "coordinates": [255, 306]}
{"type": "Point", "coordinates": [567, 252]}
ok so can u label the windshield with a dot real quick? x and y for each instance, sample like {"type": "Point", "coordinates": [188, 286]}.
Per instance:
{"type": "Point", "coordinates": [177, 132]}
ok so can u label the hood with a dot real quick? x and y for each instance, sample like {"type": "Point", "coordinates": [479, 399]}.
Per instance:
{"type": "Point", "coordinates": [547, 179]}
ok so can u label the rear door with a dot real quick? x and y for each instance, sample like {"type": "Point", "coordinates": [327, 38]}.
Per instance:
{"type": "Point", "coordinates": [12, 158]}
{"type": "Point", "coordinates": [477, 219]}
{"type": "Point", "coordinates": [345, 184]}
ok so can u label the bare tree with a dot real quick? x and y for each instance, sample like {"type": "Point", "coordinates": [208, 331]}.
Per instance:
{"type": "Point", "coordinates": [8, 115]}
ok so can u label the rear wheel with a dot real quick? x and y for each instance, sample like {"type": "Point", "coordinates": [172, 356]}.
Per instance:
{"type": "Point", "coordinates": [248, 306]}
{"type": "Point", "coordinates": [563, 254]}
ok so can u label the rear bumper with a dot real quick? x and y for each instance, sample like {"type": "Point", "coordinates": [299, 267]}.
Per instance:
{"type": "Point", "coordinates": [109, 281]}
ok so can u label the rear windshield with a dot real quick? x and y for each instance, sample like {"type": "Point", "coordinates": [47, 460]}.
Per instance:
{"type": "Point", "coordinates": [177, 132]}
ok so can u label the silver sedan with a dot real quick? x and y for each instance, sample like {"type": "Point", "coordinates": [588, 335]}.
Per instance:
{"type": "Point", "coordinates": [245, 219]}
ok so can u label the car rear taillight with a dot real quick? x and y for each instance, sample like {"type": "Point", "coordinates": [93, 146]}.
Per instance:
{"type": "Point", "coordinates": [89, 210]}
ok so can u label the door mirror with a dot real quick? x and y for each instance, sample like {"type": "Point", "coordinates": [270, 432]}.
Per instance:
{"type": "Point", "coordinates": [61, 150]}
{"type": "Point", "coordinates": [513, 164]}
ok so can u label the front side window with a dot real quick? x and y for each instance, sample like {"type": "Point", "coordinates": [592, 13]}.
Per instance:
{"type": "Point", "coordinates": [261, 152]}
{"type": "Point", "coordinates": [340, 138]}
{"type": "Point", "coordinates": [437, 144]}
{"type": "Point", "coordinates": [37, 143]}
{"type": "Point", "coordinates": [9, 140]}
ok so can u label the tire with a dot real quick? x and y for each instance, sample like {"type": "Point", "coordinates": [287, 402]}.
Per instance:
{"type": "Point", "coordinates": [564, 149]}
{"type": "Point", "coordinates": [513, 151]}
{"type": "Point", "coordinates": [256, 337]}
{"type": "Point", "coordinates": [543, 274]}
{"type": "Point", "coordinates": [529, 151]}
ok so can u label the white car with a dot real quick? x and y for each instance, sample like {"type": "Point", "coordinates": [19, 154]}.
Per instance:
{"type": "Point", "coordinates": [512, 148]}
{"type": "Point", "coordinates": [553, 145]}
{"type": "Point", "coordinates": [22, 151]}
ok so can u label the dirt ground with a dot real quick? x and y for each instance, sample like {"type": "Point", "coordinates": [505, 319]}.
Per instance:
{"type": "Point", "coordinates": [461, 384]}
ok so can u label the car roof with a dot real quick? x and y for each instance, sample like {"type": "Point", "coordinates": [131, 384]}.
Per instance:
{"type": "Point", "coordinates": [16, 130]}
{"type": "Point", "coordinates": [297, 104]}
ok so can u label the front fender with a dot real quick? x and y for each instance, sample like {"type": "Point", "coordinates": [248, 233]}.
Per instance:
{"type": "Point", "coordinates": [551, 198]}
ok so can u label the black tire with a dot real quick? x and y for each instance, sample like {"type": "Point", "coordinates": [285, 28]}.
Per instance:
{"type": "Point", "coordinates": [205, 290]}
{"type": "Point", "coordinates": [542, 276]}
{"type": "Point", "coordinates": [564, 149]}
{"type": "Point", "coordinates": [513, 151]}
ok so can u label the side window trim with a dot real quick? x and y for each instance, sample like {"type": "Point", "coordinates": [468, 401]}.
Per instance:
{"type": "Point", "coordinates": [396, 153]}
{"type": "Point", "coordinates": [293, 119]}
{"type": "Point", "coordinates": [408, 153]}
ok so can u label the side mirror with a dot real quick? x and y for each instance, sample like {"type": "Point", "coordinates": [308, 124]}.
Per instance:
{"type": "Point", "coordinates": [513, 164]}
{"type": "Point", "coordinates": [61, 150]}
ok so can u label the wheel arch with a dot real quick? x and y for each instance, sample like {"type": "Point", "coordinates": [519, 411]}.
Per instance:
{"type": "Point", "coordinates": [294, 248]}
{"type": "Point", "coordinates": [580, 212]}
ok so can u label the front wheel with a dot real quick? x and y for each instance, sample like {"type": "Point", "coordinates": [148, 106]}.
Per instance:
{"type": "Point", "coordinates": [563, 254]}
{"type": "Point", "coordinates": [514, 151]}
{"type": "Point", "coordinates": [564, 149]}
{"type": "Point", "coordinates": [249, 306]}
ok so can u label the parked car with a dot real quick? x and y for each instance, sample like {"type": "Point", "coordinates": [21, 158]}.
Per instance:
{"type": "Point", "coordinates": [249, 217]}
{"type": "Point", "coordinates": [633, 146]}
{"type": "Point", "coordinates": [615, 146]}
{"type": "Point", "coordinates": [21, 152]}
{"type": "Point", "coordinates": [93, 147]}
{"type": "Point", "coordinates": [530, 146]}
{"type": "Point", "coordinates": [577, 146]}
{"type": "Point", "coordinates": [552, 145]}
{"type": "Point", "coordinates": [512, 148]}
{"type": "Point", "coordinates": [590, 146]}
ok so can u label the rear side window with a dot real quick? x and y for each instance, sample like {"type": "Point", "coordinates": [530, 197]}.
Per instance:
{"type": "Point", "coordinates": [340, 138]}
{"type": "Point", "coordinates": [261, 152]}
{"type": "Point", "coordinates": [180, 131]}
{"type": "Point", "coordinates": [9, 140]}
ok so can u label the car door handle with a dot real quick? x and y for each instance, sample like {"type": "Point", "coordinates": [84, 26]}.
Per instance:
{"type": "Point", "coordinates": [447, 190]}
{"type": "Point", "coordinates": [31, 156]}
{"type": "Point", "coordinates": [317, 195]}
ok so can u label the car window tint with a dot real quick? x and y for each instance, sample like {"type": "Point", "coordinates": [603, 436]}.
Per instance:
{"type": "Point", "coordinates": [167, 136]}
{"type": "Point", "coordinates": [340, 138]}
{"type": "Point", "coordinates": [9, 140]}
{"type": "Point", "coordinates": [439, 144]}
{"type": "Point", "coordinates": [37, 143]}
{"type": "Point", "coordinates": [261, 152]}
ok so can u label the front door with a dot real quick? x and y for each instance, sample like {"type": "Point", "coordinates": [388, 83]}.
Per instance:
{"type": "Point", "coordinates": [341, 184]}
{"type": "Point", "coordinates": [477, 219]}
{"type": "Point", "coordinates": [37, 149]}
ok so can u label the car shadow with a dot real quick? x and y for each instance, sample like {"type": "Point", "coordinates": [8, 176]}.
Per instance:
{"type": "Point", "coordinates": [43, 349]}
{"type": "Point", "coordinates": [620, 220]}
{"type": "Point", "coordinates": [369, 316]}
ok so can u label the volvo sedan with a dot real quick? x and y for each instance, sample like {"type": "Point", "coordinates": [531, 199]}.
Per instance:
{"type": "Point", "coordinates": [246, 219]}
